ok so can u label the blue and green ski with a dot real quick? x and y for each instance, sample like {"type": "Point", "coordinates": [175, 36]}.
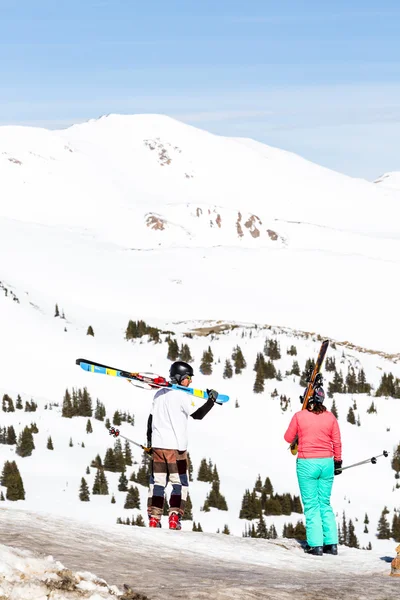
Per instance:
{"type": "Point", "coordinates": [144, 380]}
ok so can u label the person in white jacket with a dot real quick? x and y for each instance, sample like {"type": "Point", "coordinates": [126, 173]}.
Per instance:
{"type": "Point", "coordinates": [167, 437]}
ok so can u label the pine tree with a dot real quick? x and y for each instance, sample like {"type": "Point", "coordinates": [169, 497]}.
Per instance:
{"type": "Point", "coordinates": [25, 444]}
{"type": "Point", "coordinates": [119, 456]}
{"type": "Point", "coordinates": [351, 381]}
{"type": "Point", "coordinates": [238, 360]}
{"type": "Point", "coordinates": [100, 486]}
{"type": "Point", "coordinates": [123, 483]}
{"type": "Point", "coordinates": [90, 331]}
{"type": "Point", "coordinates": [300, 531]}
{"type": "Point", "coordinates": [203, 474]}
{"type": "Point", "coordinates": [362, 386]}
{"type": "Point", "coordinates": [330, 364]}
{"type": "Point", "coordinates": [84, 491]}
{"type": "Point", "coordinates": [351, 416]}
{"type": "Point", "coordinates": [206, 364]}
{"type": "Point", "coordinates": [372, 409]}
{"type": "Point", "coordinates": [2, 499]}
{"type": "Point", "coordinates": [215, 499]}
{"type": "Point", "coordinates": [226, 530]}
{"type": "Point", "coordinates": [309, 366]}
{"type": "Point", "coordinates": [14, 483]}
{"type": "Point", "coordinates": [117, 418]}
{"type": "Point", "coordinates": [188, 514]}
{"type": "Point", "coordinates": [334, 410]}
{"type": "Point", "coordinates": [56, 311]}
{"type": "Point", "coordinates": [70, 442]}
{"type": "Point", "coordinates": [132, 498]}
{"type": "Point", "coordinates": [258, 486]}
{"type": "Point", "coordinates": [366, 519]}
{"type": "Point", "coordinates": [269, 370]}
{"type": "Point", "coordinates": [109, 463]}
{"type": "Point", "coordinates": [67, 410]}
{"type": "Point", "coordinates": [18, 404]}
{"type": "Point", "coordinates": [383, 526]}
{"type": "Point", "coordinates": [89, 428]}
{"type": "Point", "coordinates": [228, 371]}
{"type": "Point", "coordinates": [185, 354]}
{"type": "Point", "coordinates": [50, 443]}
{"type": "Point", "coordinates": [100, 411]}
{"type": "Point", "coordinates": [292, 351]}
{"type": "Point", "coordinates": [173, 350]}
{"type": "Point", "coordinates": [11, 437]}
{"type": "Point", "coordinates": [107, 423]}
{"type": "Point", "coordinates": [113, 501]}
{"type": "Point", "coordinates": [395, 533]}
{"type": "Point", "coordinates": [87, 471]}
{"type": "Point", "coordinates": [85, 404]}
{"type": "Point", "coordinates": [258, 386]}
{"type": "Point", "coordinates": [127, 454]}
{"type": "Point", "coordinates": [295, 368]}
{"type": "Point", "coordinates": [261, 530]}
{"type": "Point", "coordinates": [352, 541]}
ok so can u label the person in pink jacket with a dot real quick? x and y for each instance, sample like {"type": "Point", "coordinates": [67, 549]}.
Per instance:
{"type": "Point", "coordinates": [319, 459]}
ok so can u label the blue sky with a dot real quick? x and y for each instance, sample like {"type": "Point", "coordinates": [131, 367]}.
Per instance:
{"type": "Point", "coordinates": [320, 78]}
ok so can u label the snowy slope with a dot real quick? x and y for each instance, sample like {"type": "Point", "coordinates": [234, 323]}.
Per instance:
{"type": "Point", "coordinates": [243, 442]}
{"type": "Point", "coordinates": [138, 206]}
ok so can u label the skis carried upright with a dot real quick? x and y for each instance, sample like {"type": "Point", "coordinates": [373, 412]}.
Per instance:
{"type": "Point", "coordinates": [145, 381]}
{"type": "Point", "coordinates": [313, 382]}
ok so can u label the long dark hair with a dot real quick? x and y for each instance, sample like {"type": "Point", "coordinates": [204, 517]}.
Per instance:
{"type": "Point", "coordinates": [316, 408]}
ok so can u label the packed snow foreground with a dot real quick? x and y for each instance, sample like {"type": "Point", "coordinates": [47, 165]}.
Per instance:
{"type": "Point", "coordinates": [163, 562]}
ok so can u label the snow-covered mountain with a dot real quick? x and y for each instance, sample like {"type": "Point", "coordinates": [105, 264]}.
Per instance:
{"type": "Point", "coordinates": [145, 202]}
{"type": "Point", "coordinates": [222, 241]}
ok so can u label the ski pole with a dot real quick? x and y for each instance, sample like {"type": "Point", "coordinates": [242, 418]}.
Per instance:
{"type": "Point", "coordinates": [116, 433]}
{"type": "Point", "coordinates": [372, 460]}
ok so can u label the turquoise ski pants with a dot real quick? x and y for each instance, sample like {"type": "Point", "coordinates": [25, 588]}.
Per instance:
{"type": "Point", "coordinates": [315, 477]}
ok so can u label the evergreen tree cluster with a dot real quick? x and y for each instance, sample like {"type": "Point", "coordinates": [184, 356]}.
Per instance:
{"type": "Point", "coordinates": [383, 531]}
{"type": "Point", "coordinates": [353, 384]}
{"type": "Point", "coordinates": [272, 349]}
{"type": "Point", "coordinates": [346, 534]}
{"type": "Point", "coordinates": [25, 444]}
{"type": "Point", "coordinates": [297, 531]}
{"type": "Point", "coordinates": [115, 458]}
{"type": "Point", "coordinates": [12, 480]}
{"type": "Point", "coordinates": [100, 411]}
{"type": "Point", "coordinates": [238, 359]}
{"type": "Point", "coordinates": [77, 405]}
{"type": "Point", "coordinates": [188, 514]}
{"type": "Point", "coordinates": [215, 499]}
{"type": "Point", "coordinates": [389, 386]}
{"type": "Point", "coordinates": [139, 522]}
{"type": "Point", "coordinates": [137, 329]}
{"type": "Point", "coordinates": [292, 351]}
{"type": "Point", "coordinates": [57, 312]}
{"type": "Point", "coordinates": [176, 353]}
{"type": "Point", "coordinates": [228, 370]}
{"type": "Point", "coordinates": [8, 435]}
{"type": "Point", "coordinates": [206, 362]}
{"type": "Point", "coordinates": [261, 531]}
{"type": "Point", "coordinates": [8, 404]}
{"type": "Point", "coordinates": [197, 527]}
{"type": "Point", "coordinates": [123, 417]}
{"type": "Point", "coordinates": [30, 406]}
{"type": "Point", "coordinates": [264, 370]}
{"type": "Point", "coordinates": [100, 485]}
{"type": "Point", "coordinates": [207, 471]}
{"type": "Point", "coordinates": [143, 474]}
{"type": "Point", "coordinates": [262, 500]}
{"type": "Point", "coordinates": [132, 498]}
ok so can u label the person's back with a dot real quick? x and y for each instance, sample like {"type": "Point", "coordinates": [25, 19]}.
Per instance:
{"type": "Point", "coordinates": [319, 435]}
{"type": "Point", "coordinates": [171, 409]}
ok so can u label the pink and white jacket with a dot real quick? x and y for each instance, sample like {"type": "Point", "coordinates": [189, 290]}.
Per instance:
{"type": "Point", "coordinates": [318, 434]}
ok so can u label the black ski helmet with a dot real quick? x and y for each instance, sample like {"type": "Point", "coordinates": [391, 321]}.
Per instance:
{"type": "Point", "coordinates": [318, 396]}
{"type": "Point", "coordinates": [179, 370]}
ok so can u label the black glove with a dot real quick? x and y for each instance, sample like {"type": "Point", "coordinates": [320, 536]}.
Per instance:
{"type": "Point", "coordinates": [338, 467]}
{"type": "Point", "coordinates": [212, 395]}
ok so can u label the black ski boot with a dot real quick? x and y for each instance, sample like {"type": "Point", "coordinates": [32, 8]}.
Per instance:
{"type": "Point", "coordinates": [331, 549]}
{"type": "Point", "coordinates": [314, 550]}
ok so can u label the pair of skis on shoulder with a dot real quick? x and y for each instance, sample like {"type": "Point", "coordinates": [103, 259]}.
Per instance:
{"type": "Point", "coordinates": [146, 381]}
